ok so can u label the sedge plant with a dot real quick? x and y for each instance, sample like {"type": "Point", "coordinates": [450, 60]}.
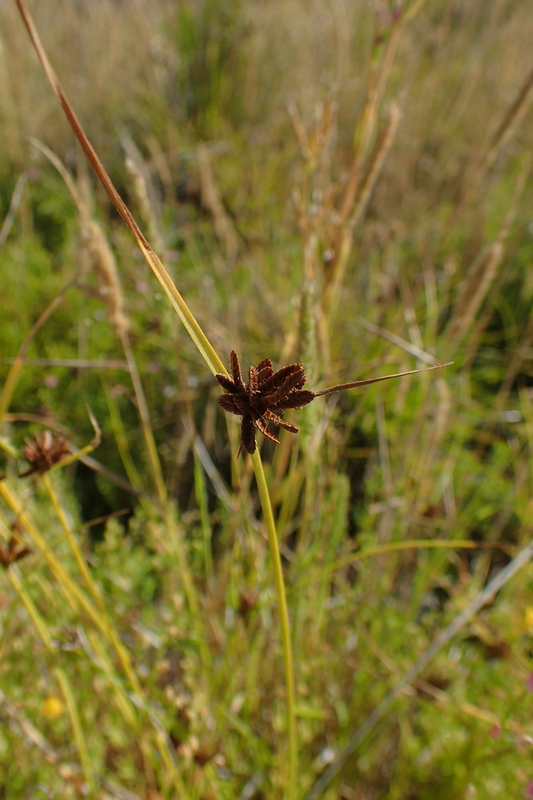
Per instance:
{"type": "Point", "coordinates": [251, 419]}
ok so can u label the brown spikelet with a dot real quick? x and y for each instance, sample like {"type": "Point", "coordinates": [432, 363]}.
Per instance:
{"type": "Point", "coordinates": [267, 394]}
{"type": "Point", "coordinates": [44, 451]}
{"type": "Point", "coordinates": [282, 382]}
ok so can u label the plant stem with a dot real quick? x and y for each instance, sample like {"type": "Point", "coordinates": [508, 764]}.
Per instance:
{"type": "Point", "coordinates": [103, 618]}
{"type": "Point", "coordinates": [77, 728]}
{"type": "Point", "coordinates": [153, 457]}
{"type": "Point", "coordinates": [159, 483]}
{"type": "Point", "coordinates": [38, 621]}
{"type": "Point", "coordinates": [268, 517]}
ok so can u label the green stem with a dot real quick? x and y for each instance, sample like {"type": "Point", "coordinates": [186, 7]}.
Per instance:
{"type": "Point", "coordinates": [268, 517]}
{"type": "Point", "coordinates": [153, 457]}
{"type": "Point", "coordinates": [103, 617]}
{"type": "Point", "coordinates": [159, 483]}
{"type": "Point", "coordinates": [77, 728]}
{"type": "Point", "coordinates": [38, 621]}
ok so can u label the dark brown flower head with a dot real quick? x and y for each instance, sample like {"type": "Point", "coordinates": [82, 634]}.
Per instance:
{"type": "Point", "coordinates": [269, 393]}
{"type": "Point", "coordinates": [263, 398]}
{"type": "Point", "coordinates": [44, 451]}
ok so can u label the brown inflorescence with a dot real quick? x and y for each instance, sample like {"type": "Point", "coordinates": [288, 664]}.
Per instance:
{"type": "Point", "coordinates": [268, 394]}
{"type": "Point", "coordinates": [44, 451]}
{"type": "Point", "coordinates": [263, 398]}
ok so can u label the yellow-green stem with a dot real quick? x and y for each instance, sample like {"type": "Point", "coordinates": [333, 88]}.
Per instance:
{"type": "Point", "coordinates": [137, 724]}
{"type": "Point", "coordinates": [105, 622]}
{"type": "Point", "coordinates": [157, 474]}
{"type": "Point", "coordinates": [14, 373]}
{"type": "Point", "coordinates": [121, 439]}
{"type": "Point", "coordinates": [17, 584]}
{"type": "Point", "coordinates": [177, 543]}
{"type": "Point", "coordinates": [285, 629]}
{"type": "Point", "coordinates": [77, 728]}
{"type": "Point", "coordinates": [153, 457]}
{"type": "Point", "coordinates": [70, 588]}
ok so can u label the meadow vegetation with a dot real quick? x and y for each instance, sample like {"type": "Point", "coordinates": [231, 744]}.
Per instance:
{"type": "Point", "coordinates": [348, 185]}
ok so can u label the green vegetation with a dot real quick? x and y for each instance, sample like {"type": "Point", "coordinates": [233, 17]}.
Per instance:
{"type": "Point", "coordinates": [332, 183]}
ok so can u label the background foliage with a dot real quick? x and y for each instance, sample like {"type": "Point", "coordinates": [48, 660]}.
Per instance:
{"type": "Point", "coordinates": [234, 130]}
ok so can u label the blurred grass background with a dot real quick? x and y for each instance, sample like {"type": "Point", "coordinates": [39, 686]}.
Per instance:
{"type": "Point", "coordinates": [338, 183]}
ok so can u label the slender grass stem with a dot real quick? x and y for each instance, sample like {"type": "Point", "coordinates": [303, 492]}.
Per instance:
{"type": "Point", "coordinates": [122, 441]}
{"type": "Point", "coordinates": [201, 499]}
{"type": "Point", "coordinates": [14, 373]}
{"type": "Point", "coordinates": [159, 483]}
{"type": "Point", "coordinates": [153, 457]}
{"type": "Point", "coordinates": [77, 728]}
{"type": "Point", "coordinates": [268, 517]}
{"type": "Point", "coordinates": [69, 586]}
{"type": "Point", "coordinates": [98, 615]}
{"type": "Point", "coordinates": [13, 575]}
{"type": "Point", "coordinates": [105, 623]}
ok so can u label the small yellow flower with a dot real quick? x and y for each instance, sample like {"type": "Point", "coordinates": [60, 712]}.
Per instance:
{"type": "Point", "coordinates": [52, 708]}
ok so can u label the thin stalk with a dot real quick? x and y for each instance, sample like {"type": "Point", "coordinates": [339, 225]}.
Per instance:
{"type": "Point", "coordinates": [70, 588]}
{"type": "Point", "coordinates": [77, 728]}
{"type": "Point", "coordinates": [201, 499]}
{"type": "Point", "coordinates": [268, 517]}
{"type": "Point", "coordinates": [157, 475]}
{"type": "Point", "coordinates": [342, 386]}
{"type": "Point", "coordinates": [16, 368]}
{"type": "Point", "coordinates": [326, 570]}
{"type": "Point", "coordinates": [153, 457]}
{"type": "Point", "coordinates": [122, 442]}
{"type": "Point", "coordinates": [105, 622]}
{"type": "Point", "coordinates": [36, 618]}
